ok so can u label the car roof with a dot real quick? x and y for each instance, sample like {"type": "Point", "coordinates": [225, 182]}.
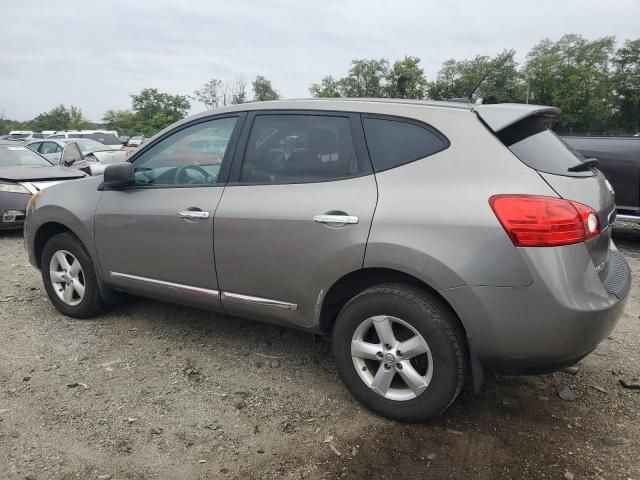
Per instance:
{"type": "Point", "coordinates": [362, 105]}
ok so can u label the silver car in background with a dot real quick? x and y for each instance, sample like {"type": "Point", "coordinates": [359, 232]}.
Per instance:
{"type": "Point", "coordinates": [92, 150]}
{"type": "Point", "coordinates": [431, 241]}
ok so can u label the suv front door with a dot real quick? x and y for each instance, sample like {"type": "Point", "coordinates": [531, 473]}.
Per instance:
{"type": "Point", "coordinates": [295, 215]}
{"type": "Point", "coordinates": [155, 237]}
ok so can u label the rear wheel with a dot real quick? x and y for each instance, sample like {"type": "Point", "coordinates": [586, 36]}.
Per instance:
{"type": "Point", "coordinates": [69, 277]}
{"type": "Point", "coordinates": [400, 352]}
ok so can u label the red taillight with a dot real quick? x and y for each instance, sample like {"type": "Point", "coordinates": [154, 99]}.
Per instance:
{"type": "Point", "coordinates": [536, 221]}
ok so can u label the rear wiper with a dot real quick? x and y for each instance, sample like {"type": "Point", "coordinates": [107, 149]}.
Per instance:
{"type": "Point", "coordinates": [587, 164]}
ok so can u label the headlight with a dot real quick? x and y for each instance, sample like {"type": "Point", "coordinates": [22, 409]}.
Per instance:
{"type": "Point", "coordinates": [13, 188]}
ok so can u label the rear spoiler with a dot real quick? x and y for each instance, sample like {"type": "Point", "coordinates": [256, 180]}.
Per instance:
{"type": "Point", "coordinates": [501, 115]}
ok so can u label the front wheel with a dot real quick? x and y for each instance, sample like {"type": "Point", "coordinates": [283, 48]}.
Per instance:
{"type": "Point", "coordinates": [400, 352]}
{"type": "Point", "coordinates": [69, 277]}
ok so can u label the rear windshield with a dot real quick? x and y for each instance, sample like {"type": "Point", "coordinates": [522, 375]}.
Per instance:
{"type": "Point", "coordinates": [541, 149]}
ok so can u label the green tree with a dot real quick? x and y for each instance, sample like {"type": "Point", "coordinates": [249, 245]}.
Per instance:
{"type": "Point", "coordinates": [209, 94]}
{"type": "Point", "coordinates": [263, 91]}
{"type": "Point", "coordinates": [124, 121]}
{"type": "Point", "coordinates": [366, 78]}
{"type": "Point", "coordinates": [626, 85]}
{"type": "Point", "coordinates": [327, 88]}
{"type": "Point", "coordinates": [59, 118]}
{"type": "Point", "coordinates": [406, 79]}
{"type": "Point", "coordinates": [150, 104]}
{"type": "Point", "coordinates": [574, 74]}
{"type": "Point", "coordinates": [502, 80]}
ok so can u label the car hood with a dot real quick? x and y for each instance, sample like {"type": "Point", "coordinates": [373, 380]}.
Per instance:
{"type": "Point", "coordinates": [53, 172]}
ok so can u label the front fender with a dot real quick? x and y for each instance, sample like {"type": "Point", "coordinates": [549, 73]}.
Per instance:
{"type": "Point", "coordinates": [71, 205]}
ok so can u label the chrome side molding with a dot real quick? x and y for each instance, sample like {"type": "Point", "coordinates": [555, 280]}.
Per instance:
{"type": "Point", "coordinates": [265, 302]}
{"type": "Point", "coordinates": [230, 297]}
{"type": "Point", "coordinates": [163, 283]}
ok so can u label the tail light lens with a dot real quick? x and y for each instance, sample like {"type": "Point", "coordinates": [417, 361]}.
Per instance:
{"type": "Point", "coordinates": [537, 221]}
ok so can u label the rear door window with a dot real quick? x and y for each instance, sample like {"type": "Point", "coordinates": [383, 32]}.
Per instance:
{"type": "Point", "coordinates": [289, 148]}
{"type": "Point", "coordinates": [393, 142]}
{"type": "Point", "coordinates": [538, 147]}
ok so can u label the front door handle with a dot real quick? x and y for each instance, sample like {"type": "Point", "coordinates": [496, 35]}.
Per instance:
{"type": "Point", "coordinates": [193, 214]}
{"type": "Point", "coordinates": [335, 219]}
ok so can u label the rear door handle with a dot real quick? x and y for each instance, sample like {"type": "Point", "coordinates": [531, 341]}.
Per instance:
{"type": "Point", "coordinates": [335, 219]}
{"type": "Point", "coordinates": [193, 214]}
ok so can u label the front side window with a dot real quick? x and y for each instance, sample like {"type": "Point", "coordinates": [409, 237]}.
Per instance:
{"type": "Point", "coordinates": [299, 148]}
{"type": "Point", "coordinates": [393, 143]}
{"type": "Point", "coordinates": [191, 156]}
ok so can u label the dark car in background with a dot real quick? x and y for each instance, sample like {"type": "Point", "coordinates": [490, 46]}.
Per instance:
{"type": "Point", "coordinates": [24, 173]}
{"type": "Point", "coordinates": [619, 159]}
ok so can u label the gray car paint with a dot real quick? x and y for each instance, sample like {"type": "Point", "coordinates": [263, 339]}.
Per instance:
{"type": "Point", "coordinates": [267, 244]}
{"type": "Point", "coordinates": [138, 232]}
{"type": "Point", "coordinates": [432, 220]}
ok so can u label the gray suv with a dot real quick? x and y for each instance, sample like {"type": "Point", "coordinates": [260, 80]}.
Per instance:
{"type": "Point", "coordinates": [432, 241]}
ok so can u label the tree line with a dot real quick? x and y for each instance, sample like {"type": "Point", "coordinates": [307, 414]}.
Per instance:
{"type": "Point", "coordinates": [595, 83]}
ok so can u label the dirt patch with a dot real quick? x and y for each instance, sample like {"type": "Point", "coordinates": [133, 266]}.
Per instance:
{"type": "Point", "coordinates": [157, 391]}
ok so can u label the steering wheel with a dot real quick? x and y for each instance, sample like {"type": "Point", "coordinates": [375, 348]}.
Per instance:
{"type": "Point", "coordinates": [181, 173]}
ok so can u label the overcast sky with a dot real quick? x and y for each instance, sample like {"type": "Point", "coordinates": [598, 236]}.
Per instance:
{"type": "Point", "coordinates": [94, 54]}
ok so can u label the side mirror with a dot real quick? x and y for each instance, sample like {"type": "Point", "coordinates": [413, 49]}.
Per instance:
{"type": "Point", "coordinates": [71, 154]}
{"type": "Point", "coordinates": [118, 175]}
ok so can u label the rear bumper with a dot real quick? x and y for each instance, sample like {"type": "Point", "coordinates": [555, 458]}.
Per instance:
{"type": "Point", "coordinates": [559, 319]}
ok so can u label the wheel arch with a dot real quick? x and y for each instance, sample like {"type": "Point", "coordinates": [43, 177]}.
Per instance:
{"type": "Point", "coordinates": [359, 280]}
{"type": "Point", "coordinates": [45, 232]}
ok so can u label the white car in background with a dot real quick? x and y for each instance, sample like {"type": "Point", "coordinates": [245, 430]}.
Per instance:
{"type": "Point", "coordinates": [92, 151]}
{"type": "Point", "coordinates": [24, 135]}
{"type": "Point", "coordinates": [135, 141]}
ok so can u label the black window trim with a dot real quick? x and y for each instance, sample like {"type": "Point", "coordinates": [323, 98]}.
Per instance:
{"type": "Point", "coordinates": [357, 135]}
{"type": "Point", "coordinates": [411, 121]}
{"type": "Point", "coordinates": [223, 174]}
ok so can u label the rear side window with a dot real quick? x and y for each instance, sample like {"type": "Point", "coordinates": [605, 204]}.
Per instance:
{"type": "Point", "coordinates": [538, 147]}
{"type": "Point", "coordinates": [394, 142]}
{"type": "Point", "coordinates": [299, 149]}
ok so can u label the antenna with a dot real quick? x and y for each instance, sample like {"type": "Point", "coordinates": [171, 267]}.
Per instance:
{"type": "Point", "coordinates": [484, 77]}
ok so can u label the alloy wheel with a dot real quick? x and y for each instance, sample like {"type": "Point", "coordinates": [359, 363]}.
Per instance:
{"type": "Point", "coordinates": [392, 358]}
{"type": "Point", "coordinates": [67, 277]}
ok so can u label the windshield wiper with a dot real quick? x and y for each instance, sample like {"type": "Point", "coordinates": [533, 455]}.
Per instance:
{"type": "Point", "coordinates": [587, 164]}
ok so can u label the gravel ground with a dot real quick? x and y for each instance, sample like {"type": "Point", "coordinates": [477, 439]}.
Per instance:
{"type": "Point", "coordinates": [156, 391]}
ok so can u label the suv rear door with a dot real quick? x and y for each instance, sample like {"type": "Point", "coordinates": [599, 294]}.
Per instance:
{"type": "Point", "coordinates": [295, 215]}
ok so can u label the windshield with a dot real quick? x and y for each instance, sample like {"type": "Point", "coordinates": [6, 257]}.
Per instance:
{"type": "Point", "coordinates": [89, 146]}
{"type": "Point", "coordinates": [21, 156]}
{"type": "Point", "coordinates": [17, 136]}
{"type": "Point", "coordinates": [104, 138]}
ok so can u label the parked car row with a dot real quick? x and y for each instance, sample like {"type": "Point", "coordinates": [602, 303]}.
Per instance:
{"type": "Point", "coordinates": [24, 173]}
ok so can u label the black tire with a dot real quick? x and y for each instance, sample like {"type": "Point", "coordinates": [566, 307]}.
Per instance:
{"type": "Point", "coordinates": [430, 318]}
{"type": "Point", "coordinates": [91, 303]}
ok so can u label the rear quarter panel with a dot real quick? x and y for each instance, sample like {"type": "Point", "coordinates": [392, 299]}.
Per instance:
{"type": "Point", "coordinates": [433, 218]}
